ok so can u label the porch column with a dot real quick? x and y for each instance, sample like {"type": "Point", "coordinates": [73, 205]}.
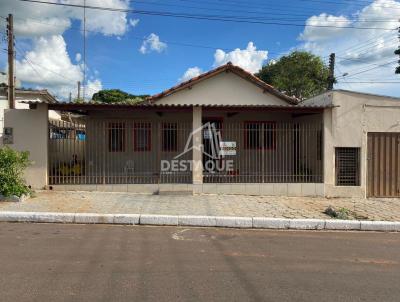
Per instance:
{"type": "Point", "coordinates": [197, 171]}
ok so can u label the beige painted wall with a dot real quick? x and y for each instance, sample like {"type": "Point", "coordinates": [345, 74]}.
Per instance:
{"type": "Point", "coordinates": [30, 134]}
{"type": "Point", "coordinates": [19, 105]}
{"type": "Point", "coordinates": [347, 125]}
{"type": "Point", "coordinates": [223, 89]}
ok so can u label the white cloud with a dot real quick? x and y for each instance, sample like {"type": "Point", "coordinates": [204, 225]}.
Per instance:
{"type": "Point", "coordinates": [359, 49]}
{"type": "Point", "coordinates": [93, 86]}
{"type": "Point", "coordinates": [190, 73]}
{"type": "Point", "coordinates": [249, 59]}
{"type": "Point", "coordinates": [78, 57]}
{"type": "Point", "coordinates": [106, 22]}
{"type": "Point", "coordinates": [49, 66]}
{"type": "Point", "coordinates": [133, 22]}
{"type": "Point", "coordinates": [152, 43]}
{"type": "Point", "coordinates": [50, 26]}
{"type": "Point", "coordinates": [35, 19]}
{"type": "Point", "coordinates": [315, 33]}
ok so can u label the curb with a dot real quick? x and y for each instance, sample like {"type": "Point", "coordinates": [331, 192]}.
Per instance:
{"type": "Point", "coordinates": [202, 221]}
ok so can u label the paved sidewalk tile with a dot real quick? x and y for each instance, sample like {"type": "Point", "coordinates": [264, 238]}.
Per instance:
{"type": "Point", "coordinates": [204, 205]}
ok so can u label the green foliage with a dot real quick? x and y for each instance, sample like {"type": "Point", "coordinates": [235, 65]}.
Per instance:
{"type": "Point", "coordinates": [12, 166]}
{"type": "Point", "coordinates": [78, 101]}
{"type": "Point", "coordinates": [116, 96]}
{"type": "Point", "coordinates": [343, 214]}
{"type": "Point", "coordinates": [300, 74]}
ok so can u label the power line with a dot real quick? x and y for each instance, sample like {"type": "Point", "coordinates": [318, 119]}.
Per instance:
{"type": "Point", "coordinates": [372, 82]}
{"type": "Point", "coordinates": [236, 3]}
{"type": "Point", "coordinates": [200, 17]}
{"type": "Point", "coordinates": [144, 38]}
{"type": "Point", "coordinates": [363, 71]}
{"type": "Point", "coordinates": [258, 12]}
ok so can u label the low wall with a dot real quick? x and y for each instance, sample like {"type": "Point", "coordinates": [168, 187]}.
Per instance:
{"type": "Point", "coordinates": [276, 189]}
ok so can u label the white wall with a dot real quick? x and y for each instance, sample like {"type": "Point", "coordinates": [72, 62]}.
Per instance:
{"type": "Point", "coordinates": [347, 125]}
{"type": "Point", "coordinates": [19, 105]}
{"type": "Point", "coordinates": [30, 129]}
{"type": "Point", "coordinates": [223, 89]}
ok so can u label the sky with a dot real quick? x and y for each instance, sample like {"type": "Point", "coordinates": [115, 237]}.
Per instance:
{"type": "Point", "coordinates": [145, 51]}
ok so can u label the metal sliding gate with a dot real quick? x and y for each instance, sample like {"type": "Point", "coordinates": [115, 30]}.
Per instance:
{"type": "Point", "coordinates": [116, 151]}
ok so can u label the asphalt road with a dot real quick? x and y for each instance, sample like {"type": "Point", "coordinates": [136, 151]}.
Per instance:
{"type": "Point", "coordinates": [53, 262]}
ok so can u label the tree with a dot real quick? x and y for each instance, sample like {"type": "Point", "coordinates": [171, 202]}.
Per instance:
{"type": "Point", "coordinates": [300, 74]}
{"type": "Point", "coordinates": [116, 96]}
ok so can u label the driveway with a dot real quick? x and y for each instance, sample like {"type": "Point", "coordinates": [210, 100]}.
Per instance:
{"type": "Point", "coordinates": [210, 205]}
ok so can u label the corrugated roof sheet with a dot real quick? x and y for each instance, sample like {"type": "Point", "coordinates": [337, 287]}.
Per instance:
{"type": "Point", "coordinates": [92, 104]}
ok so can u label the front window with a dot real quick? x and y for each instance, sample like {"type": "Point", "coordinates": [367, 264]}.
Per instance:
{"type": "Point", "coordinates": [142, 136]}
{"type": "Point", "coordinates": [116, 137]}
{"type": "Point", "coordinates": [347, 164]}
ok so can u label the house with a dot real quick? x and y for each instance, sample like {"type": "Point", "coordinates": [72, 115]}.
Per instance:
{"type": "Point", "coordinates": [22, 96]}
{"type": "Point", "coordinates": [224, 131]}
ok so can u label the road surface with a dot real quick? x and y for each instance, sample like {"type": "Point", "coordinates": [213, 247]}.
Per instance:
{"type": "Point", "coordinates": [54, 262]}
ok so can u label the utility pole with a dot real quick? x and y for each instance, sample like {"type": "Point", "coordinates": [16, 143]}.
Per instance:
{"type": "Point", "coordinates": [331, 77]}
{"type": "Point", "coordinates": [84, 48]}
{"type": "Point", "coordinates": [11, 87]}
{"type": "Point", "coordinates": [70, 97]}
{"type": "Point", "coordinates": [79, 90]}
{"type": "Point", "coordinates": [397, 52]}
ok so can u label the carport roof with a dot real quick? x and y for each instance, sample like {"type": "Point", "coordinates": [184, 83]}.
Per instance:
{"type": "Point", "coordinates": [118, 106]}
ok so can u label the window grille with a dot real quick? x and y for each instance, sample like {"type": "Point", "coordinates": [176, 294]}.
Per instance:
{"type": "Point", "coordinates": [347, 166]}
{"type": "Point", "coordinates": [116, 137]}
{"type": "Point", "coordinates": [142, 136]}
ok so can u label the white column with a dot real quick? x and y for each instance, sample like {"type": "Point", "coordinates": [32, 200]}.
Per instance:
{"type": "Point", "coordinates": [197, 171]}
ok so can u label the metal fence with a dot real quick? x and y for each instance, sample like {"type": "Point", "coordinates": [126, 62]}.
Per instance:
{"type": "Point", "coordinates": [99, 151]}
{"type": "Point", "coordinates": [269, 152]}
{"type": "Point", "coordinates": [116, 152]}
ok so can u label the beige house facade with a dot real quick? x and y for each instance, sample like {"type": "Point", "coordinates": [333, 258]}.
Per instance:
{"type": "Point", "coordinates": [224, 132]}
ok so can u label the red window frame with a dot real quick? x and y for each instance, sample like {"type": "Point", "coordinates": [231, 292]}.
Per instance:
{"type": "Point", "coordinates": [120, 127]}
{"type": "Point", "coordinates": [262, 139]}
{"type": "Point", "coordinates": [167, 127]}
{"type": "Point", "coordinates": [139, 126]}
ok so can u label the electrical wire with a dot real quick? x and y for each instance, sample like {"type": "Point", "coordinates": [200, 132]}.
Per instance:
{"type": "Point", "coordinates": [200, 17]}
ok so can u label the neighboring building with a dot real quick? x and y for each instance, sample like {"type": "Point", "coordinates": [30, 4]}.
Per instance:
{"type": "Point", "coordinates": [22, 97]}
{"type": "Point", "coordinates": [248, 138]}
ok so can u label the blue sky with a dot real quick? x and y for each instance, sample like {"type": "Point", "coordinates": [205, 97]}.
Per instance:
{"type": "Point", "coordinates": [50, 42]}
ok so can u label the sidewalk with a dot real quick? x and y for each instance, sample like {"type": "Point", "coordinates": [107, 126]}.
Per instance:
{"type": "Point", "coordinates": [204, 205]}
{"type": "Point", "coordinates": [202, 211]}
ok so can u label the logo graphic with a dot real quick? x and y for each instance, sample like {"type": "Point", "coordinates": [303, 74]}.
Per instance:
{"type": "Point", "coordinates": [209, 133]}
{"type": "Point", "coordinates": [210, 146]}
